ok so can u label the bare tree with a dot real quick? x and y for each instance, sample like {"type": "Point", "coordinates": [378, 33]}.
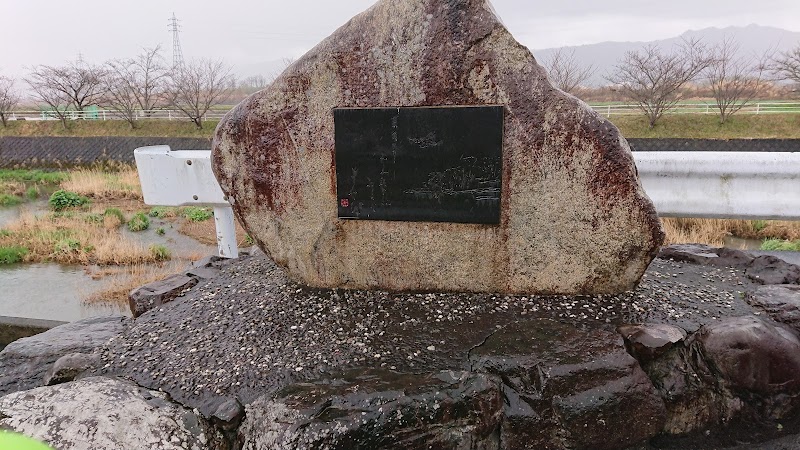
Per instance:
{"type": "Point", "coordinates": [51, 95]}
{"type": "Point", "coordinates": [198, 86]}
{"type": "Point", "coordinates": [734, 80]}
{"type": "Point", "coordinates": [137, 84]}
{"type": "Point", "coordinates": [8, 98]}
{"type": "Point", "coordinates": [653, 79]}
{"type": "Point", "coordinates": [81, 83]}
{"type": "Point", "coordinates": [787, 65]}
{"type": "Point", "coordinates": [565, 72]}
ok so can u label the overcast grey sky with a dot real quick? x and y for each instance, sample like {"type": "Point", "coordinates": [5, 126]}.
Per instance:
{"type": "Point", "coordinates": [246, 32]}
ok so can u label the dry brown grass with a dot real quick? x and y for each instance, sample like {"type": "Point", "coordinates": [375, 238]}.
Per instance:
{"type": "Point", "coordinates": [74, 238]}
{"type": "Point", "coordinates": [100, 184]}
{"type": "Point", "coordinates": [714, 231]}
{"type": "Point", "coordinates": [121, 281]}
{"type": "Point", "coordinates": [206, 232]}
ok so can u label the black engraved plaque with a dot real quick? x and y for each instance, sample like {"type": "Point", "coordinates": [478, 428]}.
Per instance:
{"type": "Point", "coordinates": [426, 164]}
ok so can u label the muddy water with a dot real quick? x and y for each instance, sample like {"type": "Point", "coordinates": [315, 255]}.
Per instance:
{"type": "Point", "coordinates": [50, 291]}
{"type": "Point", "coordinates": [738, 243]}
{"type": "Point", "coordinates": [56, 292]}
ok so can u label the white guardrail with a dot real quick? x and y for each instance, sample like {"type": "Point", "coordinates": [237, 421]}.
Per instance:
{"type": "Point", "coordinates": [728, 185]}
{"type": "Point", "coordinates": [183, 178]}
{"type": "Point", "coordinates": [606, 110]}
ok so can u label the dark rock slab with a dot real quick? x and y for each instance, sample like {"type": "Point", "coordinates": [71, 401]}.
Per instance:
{"type": "Point", "coordinates": [768, 269]}
{"type": "Point", "coordinates": [706, 255]}
{"type": "Point", "coordinates": [378, 409]}
{"type": "Point", "coordinates": [569, 388]}
{"type": "Point", "coordinates": [25, 363]}
{"type": "Point", "coordinates": [781, 302]}
{"type": "Point", "coordinates": [158, 293]}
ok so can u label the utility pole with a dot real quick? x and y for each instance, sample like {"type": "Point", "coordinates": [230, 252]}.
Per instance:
{"type": "Point", "coordinates": [177, 53]}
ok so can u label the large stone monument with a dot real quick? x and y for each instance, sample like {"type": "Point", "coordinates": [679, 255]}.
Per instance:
{"type": "Point", "coordinates": [420, 147]}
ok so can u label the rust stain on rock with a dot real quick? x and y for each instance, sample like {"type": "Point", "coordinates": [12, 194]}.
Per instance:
{"type": "Point", "coordinates": [574, 219]}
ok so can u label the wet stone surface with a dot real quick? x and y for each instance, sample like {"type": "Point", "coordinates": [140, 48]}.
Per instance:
{"type": "Point", "coordinates": [251, 331]}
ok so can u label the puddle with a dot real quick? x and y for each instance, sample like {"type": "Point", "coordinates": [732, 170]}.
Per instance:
{"type": "Point", "coordinates": [738, 243]}
{"type": "Point", "coordinates": [11, 213]}
{"type": "Point", "coordinates": [51, 292]}
{"type": "Point", "coordinates": [179, 245]}
{"type": "Point", "coordinates": [56, 292]}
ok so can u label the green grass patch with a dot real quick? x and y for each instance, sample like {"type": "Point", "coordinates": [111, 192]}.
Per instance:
{"type": "Point", "coordinates": [163, 212]}
{"type": "Point", "coordinates": [196, 214]}
{"type": "Point", "coordinates": [781, 245]}
{"type": "Point", "coordinates": [62, 199]}
{"type": "Point", "coordinates": [161, 231]}
{"type": "Point", "coordinates": [115, 212]}
{"type": "Point", "coordinates": [9, 200]}
{"type": "Point", "coordinates": [139, 222]}
{"type": "Point", "coordinates": [11, 255]}
{"type": "Point", "coordinates": [32, 176]}
{"type": "Point", "coordinates": [159, 252]}
{"type": "Point", "coordinates": [707, 126]}
{"type": "Point", "coordinates": [32, 193]}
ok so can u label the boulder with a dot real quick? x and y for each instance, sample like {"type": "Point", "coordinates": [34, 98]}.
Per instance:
{"type": "Point", "coordinates": [573, 216]}
{"type": "Point", "coordinates": [755, 355]}
{"type": "Point", "coordinates": [649, 341]}
{"type": "Point", "coordinates": [781, 302]}
{"type": "Point", "coordinates": [25, 363]}
{"type": "Point", "coordinates": [104, 413]}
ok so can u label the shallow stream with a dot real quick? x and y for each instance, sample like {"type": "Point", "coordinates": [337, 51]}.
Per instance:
{"type": "Point", "coordinates": [57, 292]}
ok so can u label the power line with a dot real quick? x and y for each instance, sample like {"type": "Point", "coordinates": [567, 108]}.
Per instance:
{"type": "Point", "coordinates": [177, 53]}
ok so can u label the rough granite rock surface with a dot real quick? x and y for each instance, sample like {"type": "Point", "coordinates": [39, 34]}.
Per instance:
{"type": "Point", "coordinates": [574, 218]}
{"type": "Point", "coordinates": [104, 413]}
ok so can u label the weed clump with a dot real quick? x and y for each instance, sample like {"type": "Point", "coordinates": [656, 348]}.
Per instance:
{"type": "Point", "coordinates": [139, 222]}
{"type": "Point", "coordinates": [32, 193]}
{"type": "Point", "coordinates": [62, 199]}
{"type": "Point", "coordinates": [162, 212]}
{"type": "Point", "coordinates": [160, 231]}
{"type": "Point", "coordinates": [160, 252]}
{"type": "Point", "coordinates": [12, 254]}
{"type": "Point", "coordinates": [9, 200]}
{"type": "Point", "coordinates": [196, 214]}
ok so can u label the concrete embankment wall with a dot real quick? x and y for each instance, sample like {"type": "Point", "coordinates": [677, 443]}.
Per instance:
{"type": "Point", "coordinates": [63, 152]}
{"type": "Point", "coordinates": [58, 152]}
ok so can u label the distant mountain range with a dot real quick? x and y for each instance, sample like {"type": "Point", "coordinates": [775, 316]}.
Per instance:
{"type": "Point", "coordinates": [752, 39]}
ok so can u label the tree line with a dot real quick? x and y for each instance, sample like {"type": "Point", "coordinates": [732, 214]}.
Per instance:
{"type": "Point", "coordinates": [134, 87]}
{"type": "Point", "coordinates": [654, 79]}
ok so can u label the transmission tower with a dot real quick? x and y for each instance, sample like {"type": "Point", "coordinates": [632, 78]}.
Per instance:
{"type": "Point", "coordinates": [177, 53]}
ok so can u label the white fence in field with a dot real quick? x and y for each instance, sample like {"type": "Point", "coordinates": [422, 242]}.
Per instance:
{"type": "Point", "coordinates": [730, 185]}
{"type": "Point", "coordinates": [111, 114]}
{"type": "Point", "coordinates": [606, 110]}
{"type": "Point", "coordinates": [702, 108]}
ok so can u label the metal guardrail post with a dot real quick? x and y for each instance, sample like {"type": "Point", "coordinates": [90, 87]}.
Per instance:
{"type": "Point", "coordinates": [183, 178]}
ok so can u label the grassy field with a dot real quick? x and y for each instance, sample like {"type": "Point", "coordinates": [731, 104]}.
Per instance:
{"type": "Point", "coordinates": [671, 126]}
{"type": "Point", "coordinates": [707, 126]}
{"type": "Point", "coordinates": [85, 128]}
